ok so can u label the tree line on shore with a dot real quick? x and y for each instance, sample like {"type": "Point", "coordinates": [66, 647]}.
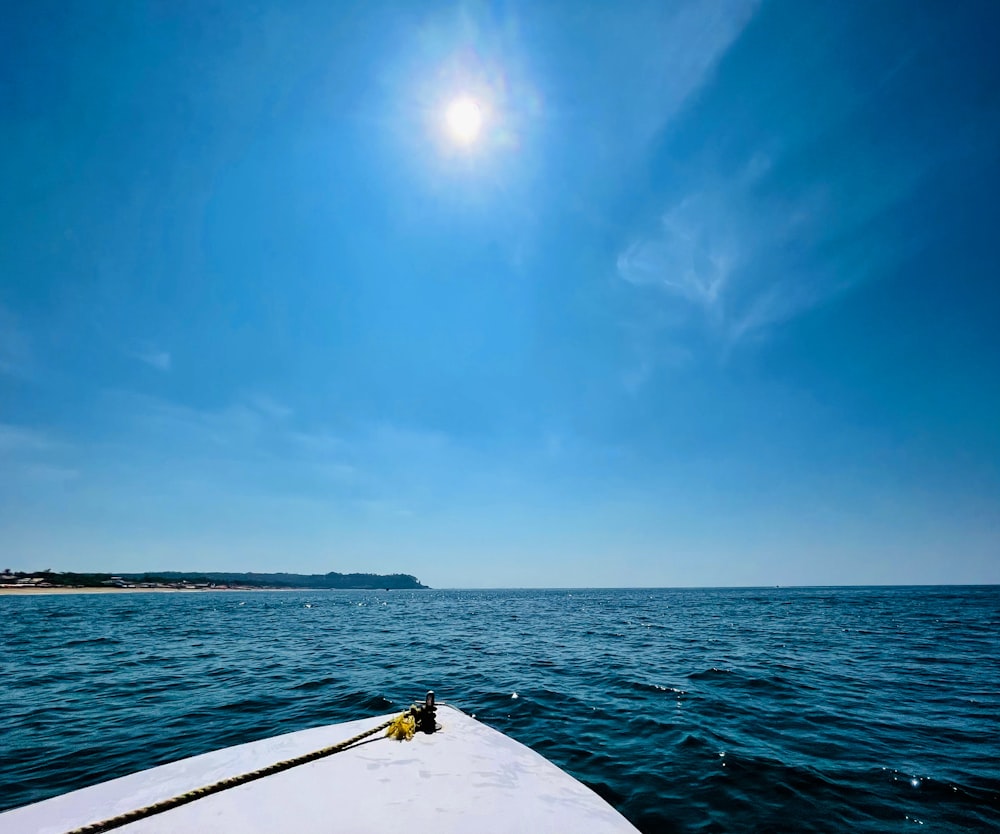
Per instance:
{"type": "Point", "coordinates": [332, 580]}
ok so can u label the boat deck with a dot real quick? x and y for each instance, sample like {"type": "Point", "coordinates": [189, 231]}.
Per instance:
{"type": "Point", "coordinates": [466, 777]}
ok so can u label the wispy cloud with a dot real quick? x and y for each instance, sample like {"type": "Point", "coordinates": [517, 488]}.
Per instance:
{"type": "Point", "coordinates": [728, 263]}
{"type": "Point", "coordinates": [716, 256]}
{"type": "Point", "coordinates": [49, 474]}
{"type": "Point", "coordinates": [20, 440]}
{"type": "Point", "coordinates": [648, 357]}
{"type": "Point", "coordinates": [161, 360]}
{"type": "Point", "coordinates": [269, 406]}
{"type": "Point", "coordinates": [15, 351]}
{"type": "Point", "coordinates": [250, 445]}
{"type": "Point", "coordinates": [654, 59]}
{"type": "Point", "coordinates": [769, 202]}
{"type": "Point", "coordinates": [30, 457]}
{"type": "Point", "coordinates": [692, 254]}
{"type": "Point", "coordinates": [243, 424]}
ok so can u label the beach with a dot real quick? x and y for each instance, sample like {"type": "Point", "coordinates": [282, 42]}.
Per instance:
{"type": "Point", "coordinates": [30, 591]}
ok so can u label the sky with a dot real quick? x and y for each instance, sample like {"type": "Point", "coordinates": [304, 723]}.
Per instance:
{"type": "Point", "coordinates": [706, 295]}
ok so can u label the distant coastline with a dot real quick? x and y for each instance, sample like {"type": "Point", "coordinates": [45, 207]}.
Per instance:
{"type": "Point", "coordinates": [32, 591]}
{"type": "Point", "coordinates": [47, 581]}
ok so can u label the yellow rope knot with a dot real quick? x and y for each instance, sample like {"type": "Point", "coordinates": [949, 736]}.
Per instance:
{"type": "Point", "coordinates": [403, 727]}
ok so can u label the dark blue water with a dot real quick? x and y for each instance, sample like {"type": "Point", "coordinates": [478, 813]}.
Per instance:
{"type": "Point", "coordinates": [829, 709]}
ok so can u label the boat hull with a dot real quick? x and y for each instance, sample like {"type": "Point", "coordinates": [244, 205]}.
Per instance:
{"type": "Point", "coordinates": [466, 777]}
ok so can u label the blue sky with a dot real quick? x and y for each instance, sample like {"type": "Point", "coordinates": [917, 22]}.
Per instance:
{"type": "Point", "coordinates": [712, 298]}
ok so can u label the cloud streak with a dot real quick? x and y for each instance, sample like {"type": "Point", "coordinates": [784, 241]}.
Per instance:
{"type": "Point", "coordinates": [15, 440]}
{"type": "Point", "coordinates": [671, 53]}
{"type": "Point", "coordinates": [161, 360]}
{"type": "Point", "coordinates": [15, 351]}
{"type": "Point", "coordinates": [258, 449]}
{"type": "Point", "coordinates": [721, 260]}
{"type": "Point", "coordinates": [33, 459]}
{"type": "Point", "coordinates": [691, 256]}
{"type": "Point", "coordinates": [728, 262]}
{"type": "Point", "coordinates": [770, 198]}
{"type": "Point", "coordinates": [252, 445]}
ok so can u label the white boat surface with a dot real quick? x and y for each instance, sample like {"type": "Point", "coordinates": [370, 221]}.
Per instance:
{"type": "Point", "coordinates": [466, 777]}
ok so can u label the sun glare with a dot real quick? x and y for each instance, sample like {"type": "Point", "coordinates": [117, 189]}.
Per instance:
{"type": "Point", "coordinates": [464, 119]}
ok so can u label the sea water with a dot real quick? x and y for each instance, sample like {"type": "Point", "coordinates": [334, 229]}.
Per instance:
{"type": "Point", "coordinates": [820, 709]}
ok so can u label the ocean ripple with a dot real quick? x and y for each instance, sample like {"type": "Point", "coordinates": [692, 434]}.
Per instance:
{"type": "Point", "coordinates": [868, 709]}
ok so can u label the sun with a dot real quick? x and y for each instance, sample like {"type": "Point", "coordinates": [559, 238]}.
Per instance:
{"type": "Point", "coordinates": [464, 118]}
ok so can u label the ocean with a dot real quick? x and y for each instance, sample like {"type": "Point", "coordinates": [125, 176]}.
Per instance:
{"type": "Point", "coordinates": [715, 710]}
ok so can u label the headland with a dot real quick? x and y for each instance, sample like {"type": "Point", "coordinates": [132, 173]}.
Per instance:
{"type": "Point", "coordinates": [63, 582]}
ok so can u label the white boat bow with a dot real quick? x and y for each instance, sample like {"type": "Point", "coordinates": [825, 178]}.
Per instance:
{"type": "Point", "coordinates": [466, 777]}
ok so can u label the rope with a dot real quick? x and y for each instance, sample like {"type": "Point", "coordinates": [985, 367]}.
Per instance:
{"type": "Point", "coordinates": [231, 782]}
